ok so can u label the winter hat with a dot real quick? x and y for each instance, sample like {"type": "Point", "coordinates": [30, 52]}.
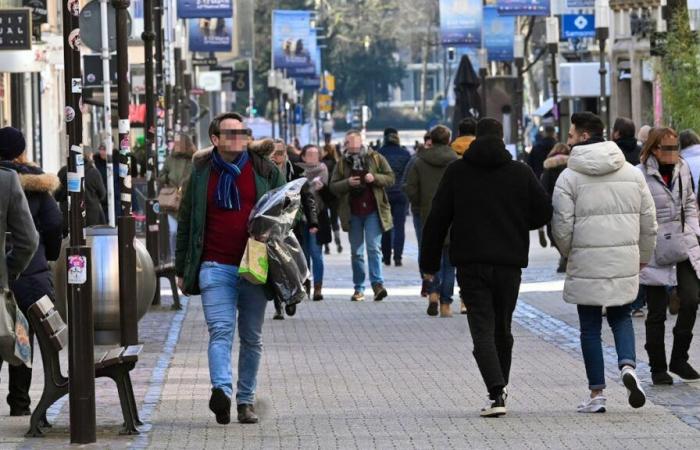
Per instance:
{"type": "Point", "coordinates": [12, 143]}
{"type": "Point", "coordinates": [388, 131]}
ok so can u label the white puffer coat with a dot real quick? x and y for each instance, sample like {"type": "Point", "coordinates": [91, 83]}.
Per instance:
{"type": "Point", "coordinates": [605, 223]}
{"type": "Point", "coordinates": [668, 215]}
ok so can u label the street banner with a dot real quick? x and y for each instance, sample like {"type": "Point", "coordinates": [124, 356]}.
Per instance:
{"type": "Point", "coordinates": [211, 35]}
{"type": "Point", "coordinates": [580, 3]}
{"type": "Point", "coordinates": [523, 7]}
{"type": "Point", "coordinates": [460, 22]}
{"type": "Point", "coordinates": [578, 26]}
{"type": "Point", "coordinates": [294, 47]}
{"type": "Point", "coordinates": [499, 34]}
{"type": "Point", "coordinates": [202, 9]}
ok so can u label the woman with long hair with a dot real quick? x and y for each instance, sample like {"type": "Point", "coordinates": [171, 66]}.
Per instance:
{"type": "Point", "coordinates": [676, 259]}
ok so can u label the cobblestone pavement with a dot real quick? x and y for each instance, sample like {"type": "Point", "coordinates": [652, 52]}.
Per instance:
{"type": "Point", "coordinates": [385, 375]}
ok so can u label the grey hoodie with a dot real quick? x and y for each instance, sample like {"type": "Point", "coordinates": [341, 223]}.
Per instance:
{"type": "Point", "coordinates": [605, 223]}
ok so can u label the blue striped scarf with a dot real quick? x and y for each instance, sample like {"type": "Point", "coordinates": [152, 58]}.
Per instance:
{"type": "Point", "coordinates": [227, 195]}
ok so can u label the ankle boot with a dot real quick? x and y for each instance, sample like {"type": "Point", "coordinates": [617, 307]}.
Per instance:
{"type": "Point", "coordinates": [318, 296]}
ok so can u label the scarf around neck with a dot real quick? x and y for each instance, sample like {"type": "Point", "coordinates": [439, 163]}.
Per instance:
{"type": "Point", "coordinates": [227, 195]}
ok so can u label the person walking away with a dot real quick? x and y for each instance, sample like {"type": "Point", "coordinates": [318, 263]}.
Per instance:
{"type": "Point", "coordinates": [95, 193]}
{"type": "Point", "coordinates": [327, 128]}
{"type": "Point", "coordinates": [676, 259]}
{"type": "Point", "coordinates": [174, 174]}
{"type": "Point", "coordinates": [330, 159]}
{"type": "Point", "coordinates": [421, 184]}
{"type": "Point", "coordinates": [36, 280]}
{"type": "Point", "coordinates": [488, 202]}
{"type": "Point", "coordinates": [226, 182]}
{"type": "Point", "coordinates": [554, 165]}
{"type": "Point", "coordinates": [397, 157]}
{"type": "Point", "coordinates": [604, 222]}
{"type": "Point", "coordinates": [307, 214]}
{"type": "Point", "coordinates": [359, 181]}
{"type": "Point", "coordinates": [415, 207]}
{"type": "Point", "coordinates": [623, 134]}
{"type": "Point", "coordinates": [690, 152]}
{"type": "Point", "coordinates": [100, 160]}
{"type": "Point", "coordinates": [317, 175]}
{"type": "Point", "coordinates": [467, 134]}
{"type": "Point", "coordinates": [540, 150]}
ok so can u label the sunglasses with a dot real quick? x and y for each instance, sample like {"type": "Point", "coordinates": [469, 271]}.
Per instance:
{"type": "Point", "coordinates": [669, 148]}
{"type": "Point", "coordinates": [232, 133]}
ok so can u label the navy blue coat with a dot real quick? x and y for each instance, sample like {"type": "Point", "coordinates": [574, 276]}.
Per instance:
{"type": "Point", "coordinates": [397, 157]}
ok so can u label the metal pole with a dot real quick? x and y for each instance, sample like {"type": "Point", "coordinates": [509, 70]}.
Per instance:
{"type": "Point", "coordinates": [108, 141]}
{"type": "Point", "coordinates": [81, 362]}
{"type": "Point", "coordinates": [273, 107]}
{"type": "Point", "coordinates": [482, 74]}
{"type": "Point", "coordinates": [520, 150]}
{"type": "Point", "coordinates": [554, 49]}
{"type": "Point", "coordinates": [251, 91]}
{"type": "Point", "coordinates": [128, 315]}
{"type": "Point", "coordinates": [602, 36]}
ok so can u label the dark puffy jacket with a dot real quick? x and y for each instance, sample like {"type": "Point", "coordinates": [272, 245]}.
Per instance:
{"type": "Point", "coordinates": [539, 153]}
{"type": "Point", "coordinates": [630, 149]}
{"type": "Point", "coordinates": [398, 158]}
{"type": "Point", "coordinates": [36, 280]}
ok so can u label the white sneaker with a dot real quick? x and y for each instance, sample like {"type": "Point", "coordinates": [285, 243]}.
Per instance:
{"type": "Point", "coordinates": [592, 405]}
{"type": "Point", "coordinates": [636, 398]}
{"type": "Point", "coordinates": [497, 407]}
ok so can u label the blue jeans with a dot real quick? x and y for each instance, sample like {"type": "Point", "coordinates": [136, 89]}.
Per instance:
{"type": "Point", "coordinates": [313, 253]}
{"type": "Point", "coordinates": [394, 239]}
{"type": "Point", "coordinates": [444, 280]}
{"type": "Point", "coordinates": [225, 296]}
{"type": "Point", "coordinates": [641, 299]}
{"type": "Point", "coordinates": [366, 230]}
{"type": "Point", "coordinates": [620, 320]}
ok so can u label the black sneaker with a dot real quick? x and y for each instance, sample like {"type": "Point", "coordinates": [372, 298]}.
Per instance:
{"type": "Point", "coordinates": [661, 378]}
{"type": "Point", "coordinates": [685, 372]}
{"type": "Point", "coordinates": [290, 309]}
{"type": "Point", "coordinates": [220, 405]}
{"type": "Point", "coordinates": [246, 414]}
{"type": "Point", "coordinates": [278, 315]}
{"type": "Point", "coordinates": [496, 407]}
{"type": "Point", "coordinates": [20, 412]}
{"type": "Point", "coordinates": [398, 263]}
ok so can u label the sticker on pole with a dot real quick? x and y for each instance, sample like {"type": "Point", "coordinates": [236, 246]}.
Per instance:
{"type": "Point", "coordinates": [124, 126]}
{"type": "Point", "coordinates": [77, 269]}
{"type": "Point", "coordinates": [68, 114]}
{"type": "Point", "coordinates": [76, 86]}
{"type": "Point", "coordinates": [76, 149]}
{"type": "Point", "coordinates": [73, 182]}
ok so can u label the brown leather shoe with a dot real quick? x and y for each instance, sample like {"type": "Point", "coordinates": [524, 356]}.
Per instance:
{"type": "Point", "coordinates": [358, 297]}
{"type": "Point", "coordinates": [445, 310]}
{"type": "Point", "coordinates": [433, 303]}
{"type": "Point", "coordinates": [246, 414]}
{"type": "Point", "coordinates": [318, 295]}
{"type": "Point", "coordinates": [379, 292]}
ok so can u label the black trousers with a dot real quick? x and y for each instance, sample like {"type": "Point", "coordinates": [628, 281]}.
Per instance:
{"type": "Point", "coordinates": [657, 302]}
{"type": "Point", "coordinates": [490, 294]}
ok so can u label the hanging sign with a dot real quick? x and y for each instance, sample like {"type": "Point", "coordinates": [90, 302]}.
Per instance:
{"type": "Point", "coordinates": [460, 22]}
{"type": "Point", "coordinates": [523, 7]}
{"type": "Point", "coordinates": [211, 35]}
{"type": "Point", "coordinates": [15, 29]}
{"type": "Point", "coordinates": [499, 33]}
{"type": "Point", "coordinates": [578, 26]}
{"type": "Point", "coordinates": [195, 9]}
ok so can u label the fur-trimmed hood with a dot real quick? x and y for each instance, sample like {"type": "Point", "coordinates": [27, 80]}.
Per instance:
{"type": "Point", "coordinates": [262, 148]}
{"type": "Point", "coordinates": [558, 160]}
{"type": "Point", "coordinates": [32, 178]}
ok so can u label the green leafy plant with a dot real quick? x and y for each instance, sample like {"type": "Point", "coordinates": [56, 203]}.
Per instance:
{"type": "Point", "coordinates": [680, 75]}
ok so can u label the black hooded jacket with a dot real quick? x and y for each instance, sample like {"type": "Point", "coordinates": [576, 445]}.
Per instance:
{"type": "Point", "coordinates": [630, 149]}
{"type": "Point", "coordinates": [491, 202]}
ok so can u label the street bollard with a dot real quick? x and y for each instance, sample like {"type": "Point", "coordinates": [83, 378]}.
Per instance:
{"type": "Point", "coordinates": [153, 238]}
{"type": "Point", "coordinates": [128, 308]}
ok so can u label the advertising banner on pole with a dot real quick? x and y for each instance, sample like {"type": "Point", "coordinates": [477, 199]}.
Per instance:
{"type": "Point", "coordinates": [580, 3]}
{"type": "Point", "coordinates": [211, 35]}
{"type": "Point", "coordinates": [499, 33]}
{"type": "Point", "coordinates": [578, 26]}
{"type": "Point", "coordinates": [460, 22]}
{"type": "Point", "coordinates": [523, 7]}
{"type": "Point", "coordinates": [294, 47]}
{"type": "Point", "coordinates": [197, 9]}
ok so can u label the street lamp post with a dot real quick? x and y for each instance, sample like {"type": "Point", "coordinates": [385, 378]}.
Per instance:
{"type": "Point", "coordinates": [272, 89]}
{"type": "Point", "coordinates": [553, 46]}
{"type": "Point", "coordinates": [519, 56]}
{"type": "Point", "coordinates": [483, 71]}
{"type": "Point", "coordinates": [602, 25]}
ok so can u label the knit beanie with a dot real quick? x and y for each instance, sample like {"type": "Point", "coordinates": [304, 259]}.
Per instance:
{"type": "Point", "coordinates": [12, 143]}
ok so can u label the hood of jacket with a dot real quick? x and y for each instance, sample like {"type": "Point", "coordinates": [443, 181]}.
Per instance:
{"type": "Point", "coordinates": [599, 158]}
{"type": "Point", "coordinates": [557, 160]}
{"type": "Point", "coordinates": [462, 143]}
{"type": "Point", "coordinates": [627, 145]}
{"type": "Point", "coordinates": [32, 178]}
{"type": "Point", "coordinates": [438, 156]}
{"type": "Point", "coordinates": [487, 151]}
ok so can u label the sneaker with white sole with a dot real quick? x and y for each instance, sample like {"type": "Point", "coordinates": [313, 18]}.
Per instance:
{"type": "Point", "coordinates": [592, 405]}
{"type": "Point", "coordinates": [636, 396]}
{"type": "Point", "coordinates": [496, 407]}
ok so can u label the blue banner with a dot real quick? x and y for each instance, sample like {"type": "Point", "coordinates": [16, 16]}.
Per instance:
{"type": "Point", "coordinates": [294, 47]}
{"type": "Point", "coordinates": [460, 22]}
{"type": "Point", "coordinates": [580, 3]}
{"type": "Point", "coordinates": [196, 9]}
{"type": "Point", "coordinates": [523, 7]}
{"type": "Point", "coordinates": [211, 35]}
{"type": "Point", "coordinates": [499, 34]}
{"type": "Point", "coordinates": [578, 26]}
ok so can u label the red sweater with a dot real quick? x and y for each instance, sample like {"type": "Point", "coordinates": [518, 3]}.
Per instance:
{"type": "Point", "coordinates": [226, 232]}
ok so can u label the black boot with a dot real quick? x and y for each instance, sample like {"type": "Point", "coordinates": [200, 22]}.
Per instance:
{"type": "Point", "coordinates": [679, 358]}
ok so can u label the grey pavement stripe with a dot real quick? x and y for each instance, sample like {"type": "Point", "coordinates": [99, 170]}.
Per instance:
{"type": "Point", "coordinates": [680, 400]}
{"type": "Point", "coordinates": [155, 384]}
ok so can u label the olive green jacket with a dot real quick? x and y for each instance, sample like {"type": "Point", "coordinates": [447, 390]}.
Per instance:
{"type": "Point", "coordinates": [192, 216]}
{"type": "Point", "coordinates": [383, 178]}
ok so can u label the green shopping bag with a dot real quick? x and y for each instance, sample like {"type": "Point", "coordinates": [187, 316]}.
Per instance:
{"type": "Point", "coordinates": [253, 267]}
{"type": "Point", "coordinates": [15, 347]}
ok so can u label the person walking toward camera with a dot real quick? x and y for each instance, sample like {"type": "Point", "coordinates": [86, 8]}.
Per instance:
{"type": "Point", "coordinates": [226, 182]}
{"type": "Point", "coordinates": [676, 259]}
{"type": "Point", "coordinates": [359, 181]}
{"type": "Point", "coordinates": [604, 222]}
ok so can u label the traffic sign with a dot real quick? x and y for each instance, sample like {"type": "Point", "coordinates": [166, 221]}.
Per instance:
{"type": "Point", "coordinates": [578, 26]}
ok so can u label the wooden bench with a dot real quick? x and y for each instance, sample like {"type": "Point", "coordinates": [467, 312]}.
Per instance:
{"type": "Point", "coordinates": [52, 334]}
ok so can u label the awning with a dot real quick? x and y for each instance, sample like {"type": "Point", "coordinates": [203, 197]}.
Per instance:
{"type": "Point", "coordinates": [544, 108]}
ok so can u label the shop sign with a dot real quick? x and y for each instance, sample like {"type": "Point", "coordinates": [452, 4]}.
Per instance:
{"type": "Point", "coordinates": [15, 29]}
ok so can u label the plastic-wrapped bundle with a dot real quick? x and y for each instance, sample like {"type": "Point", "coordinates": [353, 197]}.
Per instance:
{"type": "Point", "coordinates": [271, 221]}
